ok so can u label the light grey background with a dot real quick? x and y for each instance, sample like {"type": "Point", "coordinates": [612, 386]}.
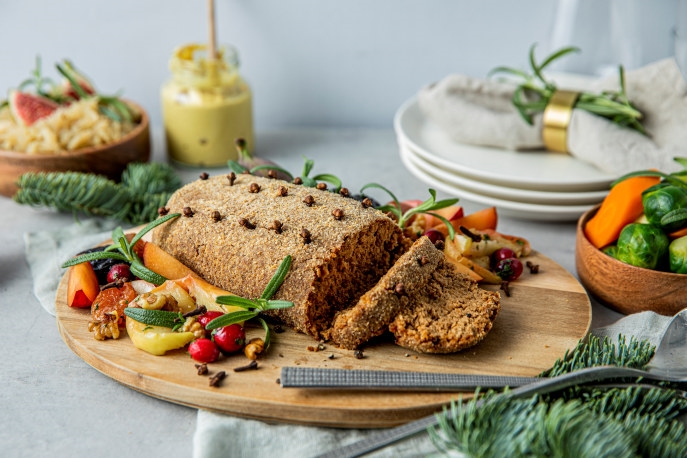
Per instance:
{"type": "Point", "coordinates": [325, 62]}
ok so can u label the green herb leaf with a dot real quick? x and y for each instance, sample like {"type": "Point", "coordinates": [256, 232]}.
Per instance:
{"type": "Point", "coordinates": [155, 317]}
{"type": "Point", "coordinates": [152, 225]}
{"type": "Point", "coordinates": [447, 223]}
{"type": "Point", "coordinates": [307, 166]}
{"type": "Point", "coordinates": [379, 186]}
{"type": "Point", "coordinates": [236, 167]}
{"type": "Point", "coordinates": [277, 279]}
{"type": "Point", "coordinates": [278, 304]}
{"type": "Point", "coordinates": [267, 332]}
{"type": "Point", "coordinates": [236, 301]}
{"type": "Point", "coordinates": [329, 178]}
{"type": "Point", "coordinates": [146, 274]}
{"type": "Point", "coordinates": [230, 318]}
{"type": "Point", "coordinates": [87, 257]}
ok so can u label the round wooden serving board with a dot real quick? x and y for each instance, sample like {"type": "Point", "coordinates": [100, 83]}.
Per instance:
{"type": "Point", "coordinates": [546, 315]}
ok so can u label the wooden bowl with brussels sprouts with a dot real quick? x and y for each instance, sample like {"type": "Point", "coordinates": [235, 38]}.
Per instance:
{"type": "Point", "coordinates": [625, 287]}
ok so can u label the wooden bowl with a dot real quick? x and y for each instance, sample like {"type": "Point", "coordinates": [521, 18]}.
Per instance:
{"type": "Point", "coordinates": [623, 287]}
{"type": "Point", "coordinates": [109, 160]}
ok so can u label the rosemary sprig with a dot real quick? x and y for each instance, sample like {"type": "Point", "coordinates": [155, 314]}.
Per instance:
{"type": "Point", "coordinates": [427, 207]}
{"type": "Point", "coordinates": [534, 92]}
{"type": "Point", "coordinates": [39, 82]}
{"type": "Point", "coordinates": [123, 250]}
{"type": "Point", "coordinates": [111, 106]}
{"type": "Point", "coordinates": [253, 307]}
{"type": "Point", "coordinates": [305, 177]}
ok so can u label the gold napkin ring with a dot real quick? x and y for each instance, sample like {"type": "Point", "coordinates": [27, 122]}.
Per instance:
{"type": "Point", "coordinates": [556, 119]}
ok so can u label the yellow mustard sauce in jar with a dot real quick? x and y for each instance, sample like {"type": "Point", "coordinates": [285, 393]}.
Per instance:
{"type": "Point", "coordinates": [206, 106]}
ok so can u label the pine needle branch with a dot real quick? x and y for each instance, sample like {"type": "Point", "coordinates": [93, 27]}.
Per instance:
{"type": "Point", "coordinates": [584, 421]}
{"type": "Point", "coordinates": [143, 189]}
{"type": "Point", "coordinates": [602, 352]}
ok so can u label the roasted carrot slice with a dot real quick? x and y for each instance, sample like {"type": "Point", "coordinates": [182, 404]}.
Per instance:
{"type": "Point", "coordinates": [622, 205]}
{"type": "Point", "coordinates": [82, 285]}
{"type": "Point", "coordinates": [486, 218]}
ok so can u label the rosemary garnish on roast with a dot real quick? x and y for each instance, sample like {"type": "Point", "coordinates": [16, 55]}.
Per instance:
{"type": "Point", "coordinates": [253, 307]}
{"type": "Point", "coordinates": [532, 95]}
{"type": "Point", "coordinates": [305, 179]}
{"type": "Point", "coordinates": [427, 207]}
{"type": "Point", "coordinates": [123, 250]}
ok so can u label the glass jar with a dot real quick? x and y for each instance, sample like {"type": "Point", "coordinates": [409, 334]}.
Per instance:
{"type": "Point", "coordinates": [206, 106]}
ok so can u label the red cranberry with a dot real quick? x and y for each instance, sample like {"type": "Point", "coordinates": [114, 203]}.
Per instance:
{"type": "Point", "coordinates": [434, 235]}
{"type": "Point", "coordinates": [502, 253]}
{"type": "Point", "coordinates": [203, 350]}
{"type": "Point", "coordinates": [230, 338]}
{"type": "Point", "coordinates": [207, 317]}
{"type": "Point", "coordinates": [119, 271]}
{"type": "Point", "coordinates": [508, 269]}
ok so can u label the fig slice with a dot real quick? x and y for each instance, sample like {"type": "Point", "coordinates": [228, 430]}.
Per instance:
{"type": "Point", "coordinates": [28, 108]}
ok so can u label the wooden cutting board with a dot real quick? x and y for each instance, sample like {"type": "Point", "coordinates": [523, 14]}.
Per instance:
{"type": "Point", "coordinates": [546, 315]}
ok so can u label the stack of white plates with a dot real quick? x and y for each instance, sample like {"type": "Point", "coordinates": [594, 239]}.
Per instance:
{"type": "Point", "coordinates": [537, 185]}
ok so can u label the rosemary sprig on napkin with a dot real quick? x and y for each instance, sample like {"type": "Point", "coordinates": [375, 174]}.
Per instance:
{"type": "Point", "coordinates": [533, 93]}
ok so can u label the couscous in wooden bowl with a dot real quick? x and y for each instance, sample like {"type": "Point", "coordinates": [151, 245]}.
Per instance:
{"type": "Point", "coordinates": [108, 160]}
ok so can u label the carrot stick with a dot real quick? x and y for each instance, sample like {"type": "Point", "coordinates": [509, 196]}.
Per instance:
{"type": "Point", "coordinates": [678, 233]}
{"type": "Point", "coordinates": [622, 205]}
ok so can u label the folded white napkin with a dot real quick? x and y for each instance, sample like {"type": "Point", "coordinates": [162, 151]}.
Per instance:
{"type": "Point", "coordinates": [480, 112]}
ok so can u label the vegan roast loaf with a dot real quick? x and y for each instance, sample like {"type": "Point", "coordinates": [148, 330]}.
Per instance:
{"type": "Point", "coordinates": [425, 302]}
{"type": "Point", "coordinates": [235, 234]}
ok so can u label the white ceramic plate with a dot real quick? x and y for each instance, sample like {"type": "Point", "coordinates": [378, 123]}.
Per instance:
{"type": "Point", "coordinates": [531, 170]}
{"type": "Point", "coordinates": [505, 207]}
{"type": "Point", "coordinates": [501, 192]}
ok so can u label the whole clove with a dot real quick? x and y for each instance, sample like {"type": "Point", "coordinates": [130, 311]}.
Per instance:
{"type": "Point", "coordinates": [216, 379]}
{"type": "Point", "coordinates": [469, 233]}
{"type": "Point", "coordinates": [534, 268]}
{"type": "Point", "coordinates": [252, 365]}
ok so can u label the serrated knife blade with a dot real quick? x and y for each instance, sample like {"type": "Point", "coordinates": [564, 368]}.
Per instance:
{"type": "Point", "coordinates": [311, 377]}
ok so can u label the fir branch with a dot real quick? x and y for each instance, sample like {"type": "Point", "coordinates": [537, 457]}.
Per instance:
{"type": "Point", "coordinates": [76, 192]}
{"type": "Point", "coordinates": [144, 189]}
{"type": "Point", "coordinates": [579, 421]}
{"type": "Point", "coordinates": [504, 426]}
{"type": "Point", "coordinates": [150, 178]}
{"type": "Point", "coordinates": [602, 352]}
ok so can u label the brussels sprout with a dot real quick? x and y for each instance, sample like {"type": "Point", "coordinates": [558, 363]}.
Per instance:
{"type": "Point", "coordinates": [677, 253]}
{"type": "Point", "coordinates": [666, 206]}
{"type": "Point", "coordinates": [642, 245]}
{"type": "Point", "coordinates": [611, 250]}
